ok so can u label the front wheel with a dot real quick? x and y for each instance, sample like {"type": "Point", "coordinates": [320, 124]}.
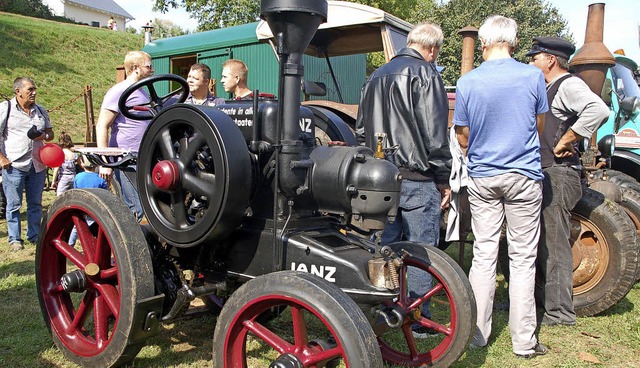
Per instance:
{"type": "Point", "coordinates": [319, 326]}
{"type": "Point", "coordinates": [452, 308]}
{"type": "Point", "coordinates": [89, 294]}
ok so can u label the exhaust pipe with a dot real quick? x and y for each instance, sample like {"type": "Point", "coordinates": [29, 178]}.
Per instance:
{"type": "Point", "coordinates": [469, 35]}
{"type": "Point", "coordinates": [593, 59]}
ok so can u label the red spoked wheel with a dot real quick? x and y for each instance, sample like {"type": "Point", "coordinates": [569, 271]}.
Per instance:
{"type": "Point", "coordinates": [450, 327]}
{"type": "Point", "coordinates": [320, 326]}
{"type": "Point", "coordinates": [89, 293]}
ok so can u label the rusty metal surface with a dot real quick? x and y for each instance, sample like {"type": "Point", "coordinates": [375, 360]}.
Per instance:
{"type": "Point", "coordinates": [590, 255]}
{"type": "Point", "coordinates": [469, 35]}
{"type": "Point", "coordinates": [593, 59]}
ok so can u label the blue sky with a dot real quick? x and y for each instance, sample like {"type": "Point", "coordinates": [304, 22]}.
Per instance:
{"type": "Point", "coordinates": [621, 18]}
{"type": "Point", "coordinates": [621, 21]}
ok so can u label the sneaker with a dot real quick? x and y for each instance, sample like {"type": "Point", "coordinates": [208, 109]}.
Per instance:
{"type": "Point", "coordinates": [423, 332]}
{"type": "Point", "coordinates": [16, 246]}
{"type": "Point", "coordinates": [539, 349]}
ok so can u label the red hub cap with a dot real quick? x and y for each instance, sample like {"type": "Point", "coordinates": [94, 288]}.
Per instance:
{"type": "Point", "coordinates": [166, 175]}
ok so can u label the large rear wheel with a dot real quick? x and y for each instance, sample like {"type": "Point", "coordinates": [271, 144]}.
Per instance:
{"type": "Point", "coordinates": [452, 307]}
{"type": "Point", "coordinates": [319, 326]}
{"type": "Point", "coordinates": [605, 254]}
{"type": "Point", "coordinates": [90, 294]}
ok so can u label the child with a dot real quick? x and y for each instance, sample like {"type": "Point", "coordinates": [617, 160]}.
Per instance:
{"type": "Point", "coordinates": [64, 175]}
{"type": "Point", "coordinates": [86, 179]}
{"type": "Point", "coordinates": [89, 178]}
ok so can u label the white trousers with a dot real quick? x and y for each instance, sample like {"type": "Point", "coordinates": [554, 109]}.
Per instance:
{"type": "Point", "coordinates": [518, 199]}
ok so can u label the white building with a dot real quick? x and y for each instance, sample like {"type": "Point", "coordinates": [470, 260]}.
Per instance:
{"type": "Point", "coordinates": [92, 12]}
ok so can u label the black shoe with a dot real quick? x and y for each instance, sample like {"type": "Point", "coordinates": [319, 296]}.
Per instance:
{"type": "Point", "coordinates": [423, 332]}
{"type": "Point", "coordinates": [539, 349]}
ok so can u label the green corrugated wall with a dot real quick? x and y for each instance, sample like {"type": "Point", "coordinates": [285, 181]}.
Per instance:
{"type": "Point", "coordinates": [261, 60]}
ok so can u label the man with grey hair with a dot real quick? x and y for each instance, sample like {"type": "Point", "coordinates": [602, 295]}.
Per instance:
{"type": "Point", "coordinates": [25, 126]}
{"type": "Point", "coordinates": [499, 116]}
{"type": "Point", "coordinates": [406, 101]}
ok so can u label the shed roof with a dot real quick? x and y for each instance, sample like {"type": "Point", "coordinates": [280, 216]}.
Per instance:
{"type": "Point", "coordinates": [202, 41]}
{"type": "Point", "coordinates": [107, 6]}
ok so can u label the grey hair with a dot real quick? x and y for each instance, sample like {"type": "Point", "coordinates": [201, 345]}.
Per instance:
{"type": "Point", "coordinates": [498, 29]}
{"type": "Point", "coordinates": [19, 82]}
{"type": "Point", "coordinates": [562, 62]}
{"type": "Point", "coordinates": [426, 35]}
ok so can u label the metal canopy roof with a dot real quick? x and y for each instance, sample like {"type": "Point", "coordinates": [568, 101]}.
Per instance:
{"type": "Point", "coordinates": [350, 28]}
{"type": "Point", "coordinates": [202, 41]}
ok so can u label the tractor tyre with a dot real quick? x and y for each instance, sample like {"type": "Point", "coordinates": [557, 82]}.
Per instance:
{"type": "Point", "coordinates": [90, 294]}
{"type": "Point", "coordinates": [320, 326]}
{"type": "Point", "coordinates": [621, 179]}
{"type": "Point", "coordinates": [605, 254]}
{"type": "Point", "coordinates": [452, 307]}
{"type": "Point", "coordinates": [631, 205]}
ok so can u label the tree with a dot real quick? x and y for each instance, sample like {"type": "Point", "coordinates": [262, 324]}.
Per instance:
{"type": "Point", "coordinates": [213, 14]}
{"type": "Point", "coordinates": [165, 28]}
{"type": "Point", "coordinates": [31, 8]}
{"type": "Point", "coordinates": [534, 18]}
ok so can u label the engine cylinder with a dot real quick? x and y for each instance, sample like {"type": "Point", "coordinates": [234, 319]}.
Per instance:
{"type": "Point", "coordinates": [350, 180]}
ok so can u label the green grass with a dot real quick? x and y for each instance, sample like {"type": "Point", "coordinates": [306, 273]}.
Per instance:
{"type": "Point", "coordinates": [62, 58]}
{"type": "Point", "coordinates": [612, 338]}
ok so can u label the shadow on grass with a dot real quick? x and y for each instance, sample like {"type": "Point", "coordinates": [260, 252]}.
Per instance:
{"type": "Point", "coordinates": [185, 341]}
{"type": "Point", "coordinates": [21, 268]}
{"type": "Point", "coordinates": [624, 306]}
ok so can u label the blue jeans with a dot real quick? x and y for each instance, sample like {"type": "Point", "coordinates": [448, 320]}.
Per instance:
{"type": "Point", "coordinates": [561, 192]}
{"type": "Point", "coordinates": [14, 182]}
{"type": "Point", "coordinates": [129, 191]}
{"type": "Point", "coordinates": [418, 220]}
{"type": "Point", "coordinates": [73, 237]}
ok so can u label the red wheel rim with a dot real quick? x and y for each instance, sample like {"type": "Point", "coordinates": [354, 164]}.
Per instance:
{"type": "Point", "coordinates": [413, 352]}
{"type": "Point", "coordinates": [83, 321]}
{"type": "Point", "coordinates": [298, 342]}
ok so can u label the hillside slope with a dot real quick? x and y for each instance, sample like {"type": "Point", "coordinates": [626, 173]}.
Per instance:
{"type": "Point", "coordinates": [62, 59]}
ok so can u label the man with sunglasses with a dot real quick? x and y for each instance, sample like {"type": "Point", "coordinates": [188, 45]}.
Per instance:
{"type": "Point", "coordinates": [575, 113]}
{"type": "Point", "coordinates": [125, 132]}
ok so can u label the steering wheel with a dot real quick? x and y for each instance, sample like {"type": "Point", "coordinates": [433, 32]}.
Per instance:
{"type": "Point", "coordinates": [148, 110]}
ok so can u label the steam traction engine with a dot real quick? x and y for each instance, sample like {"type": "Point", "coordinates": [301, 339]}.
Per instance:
{"type": "Point", "coordinates": [247, 213]}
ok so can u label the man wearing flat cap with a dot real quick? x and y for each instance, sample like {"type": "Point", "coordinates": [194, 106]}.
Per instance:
{"type": "Point", "coordinates": [575, 112]}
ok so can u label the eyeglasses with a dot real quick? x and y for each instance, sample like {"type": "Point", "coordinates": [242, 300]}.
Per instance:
{"type": "Point", "coordinates": [147, 66]}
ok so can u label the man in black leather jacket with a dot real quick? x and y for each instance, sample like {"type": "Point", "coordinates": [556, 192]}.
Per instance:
{"type": "Point", "coordinates": [406, 100]}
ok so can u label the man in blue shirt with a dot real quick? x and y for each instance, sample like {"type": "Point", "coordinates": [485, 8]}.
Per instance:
{"type": "Point", "coordinates": [499, 116]}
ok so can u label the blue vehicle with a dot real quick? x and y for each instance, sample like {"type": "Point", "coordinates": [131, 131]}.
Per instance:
{"type": "Point", "coordinates": [623, 95]}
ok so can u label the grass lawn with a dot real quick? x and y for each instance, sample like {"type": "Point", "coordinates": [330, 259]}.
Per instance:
{"type": "Point", "coordinates": [608, 340]}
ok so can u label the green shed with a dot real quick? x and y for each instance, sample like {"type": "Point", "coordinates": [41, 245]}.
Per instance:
{"type": "Point", "coordinates": [175, 55]}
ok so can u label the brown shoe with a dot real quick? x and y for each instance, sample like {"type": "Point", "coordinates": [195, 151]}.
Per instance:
{"type": "Point", "coordinates": [16, 246]}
